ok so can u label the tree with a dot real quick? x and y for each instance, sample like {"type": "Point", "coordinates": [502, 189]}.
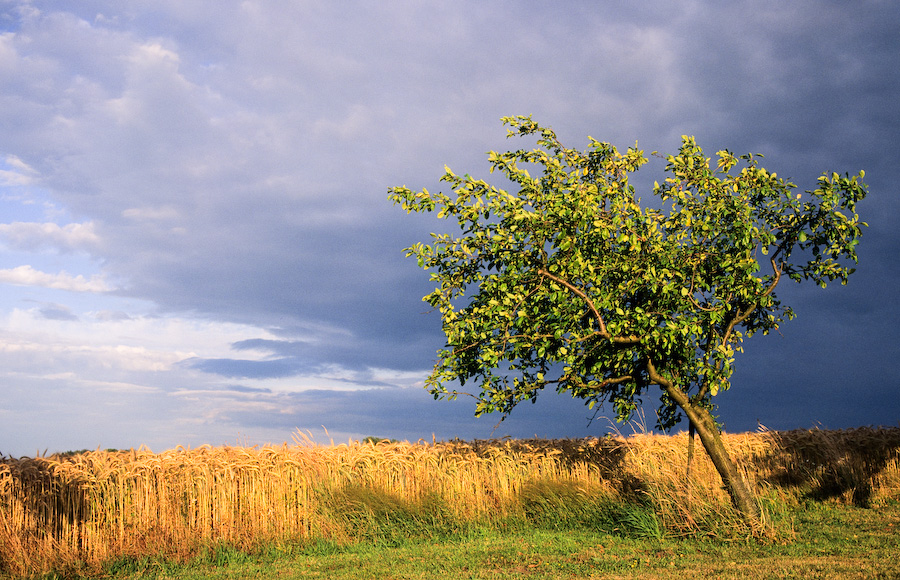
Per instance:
{"type": "Point", "coordinates": [571, 283]}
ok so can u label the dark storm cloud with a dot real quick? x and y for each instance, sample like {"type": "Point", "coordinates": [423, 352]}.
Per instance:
{"type": "Point", "coordinates": [235, 368]}
{"type": "Point", "coordinates": [231, 167]}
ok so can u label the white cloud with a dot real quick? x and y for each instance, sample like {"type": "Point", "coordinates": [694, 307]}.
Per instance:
{"type": "Point", "coordinates": [98, 347]}
{"type": "Point", "coordinates": [184, 336]}
{"type": "Point", "coordinates": [7, 51]}
{"type": "Point", "coordinates": [118, 357]}
{"type": "Point", "coordinates": [118, 387]}
{"type": "Point", "coordinates": [28, 276]}
{"type": "Point", "coordinates": [32, 236]}
{"type": "Point", "coordinates": [166, 212]}
{"type": "Point", "coordinates": [352, 124]}
{"type": "Point", "coordinates": [18, 173]}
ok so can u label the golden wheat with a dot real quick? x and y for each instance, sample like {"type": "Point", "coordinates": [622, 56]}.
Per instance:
{"type": "Point", "coordinates": [76, 512]}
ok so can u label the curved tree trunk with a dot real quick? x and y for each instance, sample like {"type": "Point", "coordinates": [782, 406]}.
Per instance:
{"type": "Point", "coordinates": [705, 427]}
{"type": "Point", "coordinates": [741, 495]}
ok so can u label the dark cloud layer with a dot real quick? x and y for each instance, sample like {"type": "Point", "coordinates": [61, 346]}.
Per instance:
{"type": "Point", "coordinates": [226, 168]}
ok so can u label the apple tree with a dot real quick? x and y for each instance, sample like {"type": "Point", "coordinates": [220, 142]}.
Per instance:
{"type": "Point", "coordinates": [571, 283]}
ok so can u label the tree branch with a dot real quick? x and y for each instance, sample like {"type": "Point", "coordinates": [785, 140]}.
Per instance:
{"type": "Point", "coordinates": [739, 317]}
{"type": "Point", "coordinates": [742, 316]}
{"type": "Point", "coordinates": [603, 332]}
{"type": "Point", "coordinates": [662, 381]}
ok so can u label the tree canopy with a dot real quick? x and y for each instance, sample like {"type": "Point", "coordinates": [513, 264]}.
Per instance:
{"type": "Point", "coordinates": [569, 282]}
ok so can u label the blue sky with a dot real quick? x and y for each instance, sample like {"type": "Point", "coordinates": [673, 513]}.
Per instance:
{"type": "Point", "coordinates": [196, 245]}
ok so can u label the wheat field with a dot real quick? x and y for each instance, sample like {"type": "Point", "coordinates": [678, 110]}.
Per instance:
{"type": "Point", "coordinates": [77, 512]}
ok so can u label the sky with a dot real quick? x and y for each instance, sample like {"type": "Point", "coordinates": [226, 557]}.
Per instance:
{"type": "Point", "coordinates": [196, 245]}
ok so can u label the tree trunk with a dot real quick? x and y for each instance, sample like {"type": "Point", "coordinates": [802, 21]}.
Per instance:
{"type": "Point", "coordinates": [742, 496]}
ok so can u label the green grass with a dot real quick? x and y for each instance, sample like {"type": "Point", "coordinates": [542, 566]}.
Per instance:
{"type": "Point", "coordinates": [828, 541]}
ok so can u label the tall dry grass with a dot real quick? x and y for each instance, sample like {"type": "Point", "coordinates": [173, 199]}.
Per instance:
{"type": "Point", "coordinates": [76, 513]}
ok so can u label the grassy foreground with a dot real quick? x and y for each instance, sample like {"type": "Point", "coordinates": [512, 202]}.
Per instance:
{"type": "Point", "coordinates": [603, 508]}
{"type": "Point", "coordinates": [830, 541]}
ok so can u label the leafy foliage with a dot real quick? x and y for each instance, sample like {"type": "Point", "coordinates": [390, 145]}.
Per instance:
{"type": "Point", "coordinates": [570, 283]}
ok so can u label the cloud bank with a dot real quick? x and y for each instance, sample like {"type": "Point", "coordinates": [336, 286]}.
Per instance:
{"type": "Point", "coordinates": [196, 244]}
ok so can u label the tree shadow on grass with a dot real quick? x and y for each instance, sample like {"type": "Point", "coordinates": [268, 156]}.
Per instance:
{"type": "Point", "coordinates": [825, 465]}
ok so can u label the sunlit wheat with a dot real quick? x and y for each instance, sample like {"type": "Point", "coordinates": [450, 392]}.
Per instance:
{"type": "Point", "coordinates": [73, 513]}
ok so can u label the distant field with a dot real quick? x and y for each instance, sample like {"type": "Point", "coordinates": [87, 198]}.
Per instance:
{"type": "Point", "coordinates": [96, 512]}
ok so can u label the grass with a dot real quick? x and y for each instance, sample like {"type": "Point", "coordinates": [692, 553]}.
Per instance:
{"type": "Point", "coordinates": [114, 512]}
{"type": "Point", "coordinates": [830, 541]}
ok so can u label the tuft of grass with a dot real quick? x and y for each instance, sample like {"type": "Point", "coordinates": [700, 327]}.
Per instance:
{"type": "Point", "coordinates": [641, 521]}
{"type": "Point", "coordinates": [380, 517]}
{"type": "Point", "coordinates": [566, 505]}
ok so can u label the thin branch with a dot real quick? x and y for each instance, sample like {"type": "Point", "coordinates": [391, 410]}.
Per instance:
{"type": "Point", "coordinates": [704, 388]}
{"type": "Point", "coordinates": [603, 332]}
{"type": "Point", "coordinates": [580, 293]}
{"type": "Point", "coordinates": [605, 383]}
{"type": "Point", "coordinates": [615, 381]}
{"type": "Point", "coordinates": [742, 316]}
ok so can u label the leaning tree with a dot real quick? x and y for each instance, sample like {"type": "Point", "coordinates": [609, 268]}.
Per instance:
{"type": "Point", "coordinates": [571, 283]}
